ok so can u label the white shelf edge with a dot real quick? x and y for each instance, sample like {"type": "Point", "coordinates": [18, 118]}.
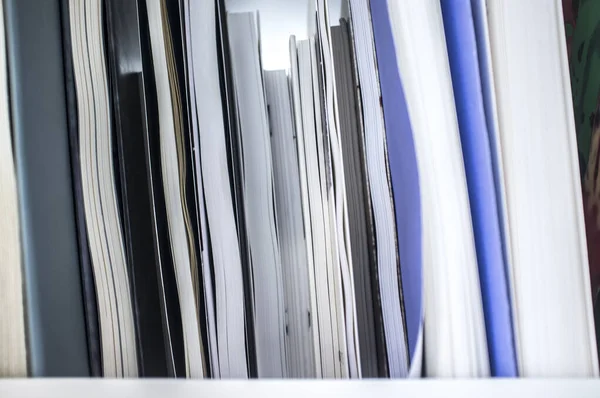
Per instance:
{"type": "Point", "coordinates": [423, 388]}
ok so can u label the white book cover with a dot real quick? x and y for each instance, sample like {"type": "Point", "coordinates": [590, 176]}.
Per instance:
{"type": "Point", "coordinates": [13, 350]}
{"type": "Point", "coordinates": [549, 274]}
{"type": "Point", "coordinates": [306, 210]}
{"type": "Point", "coordinates": [107, 248]}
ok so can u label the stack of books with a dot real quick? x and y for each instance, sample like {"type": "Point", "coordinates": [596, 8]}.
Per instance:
{"type": "Point", "coordinates": [405, 200]}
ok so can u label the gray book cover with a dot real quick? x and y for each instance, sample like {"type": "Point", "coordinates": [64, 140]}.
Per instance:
{"type": "Point", "coordinates": [56, 333]}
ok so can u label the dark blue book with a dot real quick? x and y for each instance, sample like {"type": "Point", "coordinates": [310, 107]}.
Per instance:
{"type": "Point", "coordinates": [481, 172]}
{"type": "Point", "coordinates": [405, 180]}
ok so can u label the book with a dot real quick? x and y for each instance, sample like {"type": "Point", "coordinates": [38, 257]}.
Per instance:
{"type": "Point", "coordinates": [136, 193]}
{"type": "Point", "coordinates": [300, 119]}
{"type": "Point", "coordinates": [454, 345]}
{"type": "Point", "coordinates": [322, 318]}
{"type": "Point", "coordinates": [259, 196]}
{"type": "Point", "coordinates": [174, 328]}
{"type": "Point", "coordinates": [117, 331]}
{"type": "Point", "coordinates": [334, 186]}
{"type": "Point", "coordinates": [550, 285]}
{"type": "Point", "coordinates": [233, 140]}
{"type": "Point", "coordinates": [290, 227]}
{"type": "Point", "coordinates": [404, 201]}
{"type": "Point", "coordinates": [225, 245]}
{"type": "Point", "coordinates": [328, 201]}
{"type": "Point", "coordinates": [206, 301]}
{"type": "Point", "coordinates": [404, 174]}
{"type": "Point", "coordinates": [88, 284]}
{"type": "Point", "coordinates": [462, 42]}
{"type": "Point", "coordinates": [178, 72]}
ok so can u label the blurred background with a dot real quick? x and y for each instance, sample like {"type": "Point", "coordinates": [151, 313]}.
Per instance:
{"type": "Point", "coordinates": [278, 20]}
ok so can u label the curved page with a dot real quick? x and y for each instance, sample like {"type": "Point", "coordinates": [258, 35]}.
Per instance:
{"type": "Point", "coordinates": [322, 319]}
{"type": "Point", "coordinates": [454, 334]}
{"type": "Point", "coordinates": [381, 197]}
{"type": "Point", "coordinates": [269, 320]}
{"type": "Point", "coordinates": [107, 249]}
{"type": "Point", "coordinates": [405, 181]}
{"type": "Point", "coordinates": [229, 288]}
{"type": "Point", "coordinates": [303, 172]}
{"type": "Point", "coordinates": [336, 192]}
{"type": "Point", "coordinates": [290, 226]}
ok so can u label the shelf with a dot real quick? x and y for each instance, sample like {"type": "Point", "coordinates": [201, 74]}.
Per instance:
{"type": "Point", "coordinates": [501, 388]}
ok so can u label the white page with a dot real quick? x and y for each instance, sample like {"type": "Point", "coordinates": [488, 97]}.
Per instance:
{"type": "Point", "coordinates": [290, 226]}
{"type": "Point", "coordinates": [229, 289]}
{"type": "Point", "coordinates": [331, 250]}
{"type": "Point", "coordinates": [454, 334]}
{"type": "Point", "coordinates": [344, 271]}
{"type": "Point", "coordinates": [269, 320]}
{"type": "Point", "coordinates": [206, 264]}
{"type": "Point", "coordinates": [322, 317]}
{"type": "Point", "coordinates": [299, 129]}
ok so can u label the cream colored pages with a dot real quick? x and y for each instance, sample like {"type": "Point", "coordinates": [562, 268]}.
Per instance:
{"type": "Point", "coordinates": [228, 287]}
{"type": "Point", "coordinates": [290, 227]}
{"type": "Point", "coordinates": [380, 190]}
{"type": "Point", "coordinates": [173, 194]}
{"type": "Point", "coordinates": [268, 299]}
{"type": "Point", "coordinates": [13, 353]}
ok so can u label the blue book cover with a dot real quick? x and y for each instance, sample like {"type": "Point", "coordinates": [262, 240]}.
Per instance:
{"type": "Point", "coordinates": [482, 173]}
{"type": "Point", "coordinates": [405, 179]}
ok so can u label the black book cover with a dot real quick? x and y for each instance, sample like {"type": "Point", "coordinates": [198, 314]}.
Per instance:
{"type": "Point", "coordinates": [136, 201]}
{"type": "Point", "coordinates": [175, 329]}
